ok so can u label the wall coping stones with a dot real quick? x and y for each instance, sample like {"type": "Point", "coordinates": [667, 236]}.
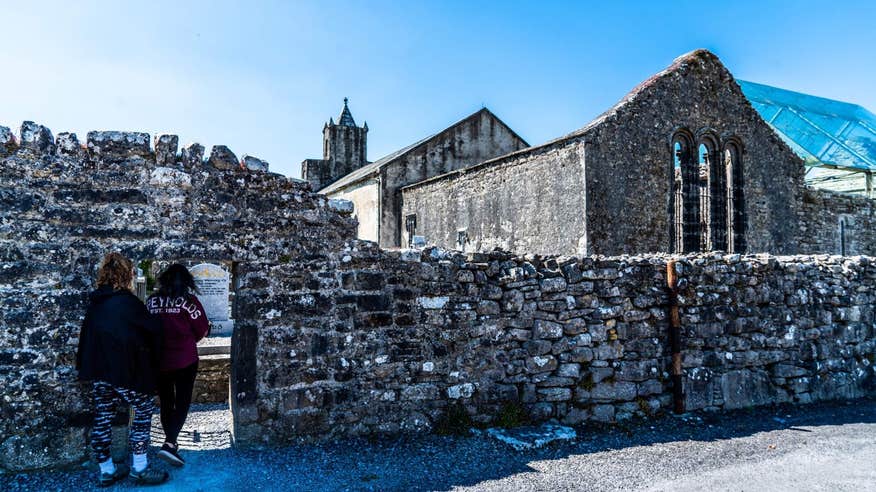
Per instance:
{"type": "Point", "coordinates": [165, 149]}
{"type": "Point", "coordinates": [221, 157]}
{"type": "Point", "coordinates": [192, 155]}
{"type": "Point", "coordinates": [254, 163]}
{"type": "Point", "coordinates": [68, 144]}
{"type": "Point", "coordinates": [118, 146]}
{"type": "Point", "coordinates": [36, 138]}
{"type": "Point", "coordinates": [8, 144]}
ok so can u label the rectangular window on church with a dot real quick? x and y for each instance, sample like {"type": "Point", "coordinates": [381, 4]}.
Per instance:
{"type": "Point", "coordinates": [461, 239]}
{"type": "Point", "coordinates": [411, 228]}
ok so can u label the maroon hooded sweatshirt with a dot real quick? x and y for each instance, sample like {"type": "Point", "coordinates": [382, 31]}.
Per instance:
{"type": "Point", "coordinates": [185, 323]}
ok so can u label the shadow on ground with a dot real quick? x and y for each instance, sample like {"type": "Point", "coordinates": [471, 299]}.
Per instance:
{"type": "Point", "coordinates": [444, 463]}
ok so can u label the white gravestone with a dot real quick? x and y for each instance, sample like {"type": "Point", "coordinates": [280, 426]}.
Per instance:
{"type": "Point", "coordinates": [213, 289]}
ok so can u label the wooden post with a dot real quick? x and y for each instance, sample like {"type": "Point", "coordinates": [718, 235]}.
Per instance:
{"type": "Point", "coordinates": [675, 337]}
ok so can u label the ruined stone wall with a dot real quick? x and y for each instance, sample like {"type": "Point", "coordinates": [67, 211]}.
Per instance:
{"type": "Point", "coordinates": [317, 172]}
{"type": "Point", "coordinates": [387, 342]}
{"type": "Point", "coordinates": [530, 202]}
{"type": "Point", "coordinates": [64, 205]}
{"type": "Point", "coordinates": [334, 336]}
{"type": "Point", "coordinates": [629, 159]}
{"type": "Point", "coordinates": [837, 223]}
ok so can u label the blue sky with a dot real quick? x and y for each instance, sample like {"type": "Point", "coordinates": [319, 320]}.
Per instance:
{"type": "Point", "coordinates": [263, 77]}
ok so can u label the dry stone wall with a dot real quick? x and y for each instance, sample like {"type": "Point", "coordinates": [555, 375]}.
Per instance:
{"type": "Point", "coordinates": [387, 342]}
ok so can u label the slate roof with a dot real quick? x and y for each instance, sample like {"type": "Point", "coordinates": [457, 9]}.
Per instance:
{"type": "Point", "coordinates": [371, 168]}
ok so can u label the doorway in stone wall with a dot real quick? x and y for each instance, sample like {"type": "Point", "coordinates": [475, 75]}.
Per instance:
{"type": "Point", "coordinates": [209, 421]}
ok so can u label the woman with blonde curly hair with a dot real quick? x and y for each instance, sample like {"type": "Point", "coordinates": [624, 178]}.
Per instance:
{"type": "Point", "coordinates": [119, 352]}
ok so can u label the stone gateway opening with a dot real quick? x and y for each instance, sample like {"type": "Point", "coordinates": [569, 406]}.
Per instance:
{"type": "Point", "coordinates": [215, 284]}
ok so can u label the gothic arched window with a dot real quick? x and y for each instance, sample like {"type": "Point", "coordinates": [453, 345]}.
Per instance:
{"type": "Point", "coordinates": [684, 196]}
{"type": "Point", "coordinates": [713, 197]}
{"type": "Point", "coordinates": [707, 202]}
{"type": "Point", "coordinates": [735, 196]}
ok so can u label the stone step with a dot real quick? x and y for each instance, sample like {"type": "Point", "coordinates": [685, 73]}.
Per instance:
{"type": "Point", "coordinates": [214, 346]}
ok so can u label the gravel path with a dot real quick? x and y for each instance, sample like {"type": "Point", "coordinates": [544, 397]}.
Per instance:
{"type": "Point", "coordinates": [830, 446]}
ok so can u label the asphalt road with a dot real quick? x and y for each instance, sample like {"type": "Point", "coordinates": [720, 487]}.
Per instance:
{"type": "Point", "coordinates": [826, 446]}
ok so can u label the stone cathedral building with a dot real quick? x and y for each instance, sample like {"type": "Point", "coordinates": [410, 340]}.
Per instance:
{"type": "Point", "coordinates": [682, 163]}
{"type": "Point", "coordinates": [374, 187]}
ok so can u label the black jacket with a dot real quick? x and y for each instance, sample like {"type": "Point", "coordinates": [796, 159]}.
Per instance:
{"type": "Point", "coordinates": [119, 342]}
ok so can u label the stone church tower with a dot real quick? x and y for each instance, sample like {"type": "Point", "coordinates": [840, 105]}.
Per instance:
{"type": "Point", "coordinates": [344, 149]}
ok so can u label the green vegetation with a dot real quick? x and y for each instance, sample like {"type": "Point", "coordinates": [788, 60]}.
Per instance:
{"type": "Point", "coordinates": [146, 267]}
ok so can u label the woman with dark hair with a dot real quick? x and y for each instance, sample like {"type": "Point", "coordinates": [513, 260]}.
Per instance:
{"type": "Point", "coordinates": [184, 324]}
{"type": "Point", "coordinates": [118, 351]}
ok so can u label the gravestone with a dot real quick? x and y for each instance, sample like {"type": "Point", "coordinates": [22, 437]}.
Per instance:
{"type": "Point", "coordinates": [213, 284]}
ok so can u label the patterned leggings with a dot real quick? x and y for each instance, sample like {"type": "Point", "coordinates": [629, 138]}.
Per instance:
{"type": "Point", "coordinates": [105, 398]}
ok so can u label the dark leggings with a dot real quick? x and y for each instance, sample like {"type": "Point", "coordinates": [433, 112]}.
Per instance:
{"type": "Point", "coordinates": [175, 391]}
{"type": "Point", "coordinates": [105, 398]}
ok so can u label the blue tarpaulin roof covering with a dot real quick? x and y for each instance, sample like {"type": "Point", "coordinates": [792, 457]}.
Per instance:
{"type": "Point", "coordinates": [823, 132]}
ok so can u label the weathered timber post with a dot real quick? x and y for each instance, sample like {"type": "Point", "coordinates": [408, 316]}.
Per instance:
{"type": "Point", "coordinates": [675, 337]}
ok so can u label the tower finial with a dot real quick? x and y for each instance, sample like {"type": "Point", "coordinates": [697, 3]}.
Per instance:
{"type": "Point", "coordinates": [346, 118]}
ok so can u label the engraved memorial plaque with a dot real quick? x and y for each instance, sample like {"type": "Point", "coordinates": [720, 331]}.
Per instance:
{"type": "Point", "coordinates": [213, 284]}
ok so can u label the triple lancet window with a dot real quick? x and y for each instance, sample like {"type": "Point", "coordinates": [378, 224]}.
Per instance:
{"type": "Point", "coordinates": [707, 204]}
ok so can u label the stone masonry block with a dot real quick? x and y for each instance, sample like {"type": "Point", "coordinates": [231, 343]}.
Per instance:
{"type": "Point", "coordinates": [36, 138]}
{"type": "Point", "coordinates": [165, 149]}
{"type": "Point", "coordinates": [192, 155]}
{"type": "Point", "coordinates": [117, 146]}
{"type": "Point", "coordinates": [221, 157]}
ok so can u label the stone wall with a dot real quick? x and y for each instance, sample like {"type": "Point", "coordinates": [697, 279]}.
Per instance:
{"type": "Point", "coordinates": [837, 223]}
{"type": "Point", "coordinates": [211, 384]}
{"type": "Point", "coordinates": [386, 342]}
{"type": "Point", "coordinates": [64, 204]}
{"type": "Point", "coordinates": [334, 336]}
{"type": "Point", "coordinates": [629, 159]}
{"type": "Point", "coordinates": [475, 139]}
{"type": "Point", "coordinates": [530, 201]}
